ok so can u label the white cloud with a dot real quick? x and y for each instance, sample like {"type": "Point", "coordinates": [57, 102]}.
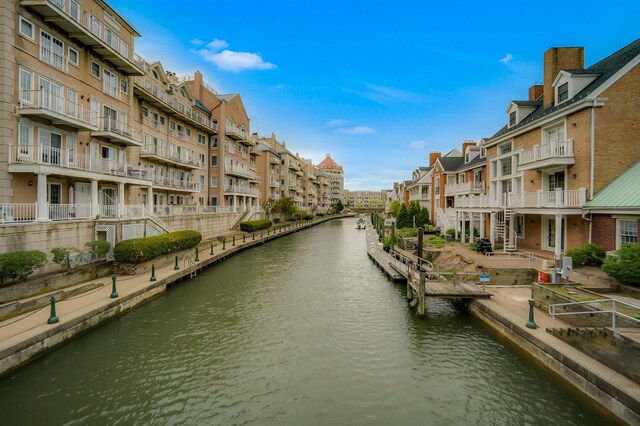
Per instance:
{"type": "Point", "coordinates": [506, 59]}
{"type": "Point", "coordinates": [217, 44]}
{"type": "Point", "coordinates": [196, 41]}
{"type": "Point", "coordinates": [230, 60]}
{"type": "Point", "coordinates": [358, 130]}
{"type": "Point", "coordinates": [386, 95]}
{"type": "Point", "coordinates": [420, 144]}
{"type": "Point", "coordinates": [336, 122]}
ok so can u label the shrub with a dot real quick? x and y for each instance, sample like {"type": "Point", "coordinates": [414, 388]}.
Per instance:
{"type": "Point", "coordinates": [308, 216]}
{"type": "Point", "coordinates": [587, 255]}
{"type": "Point", "coordinates": [276, 220]}
{"type": "Point", "coordinates": [320, 214]}
{"type": "Point", "coordinates": [255, 225]}
{"type": "Point", "coordinates": [498, 246]}
{"type": "Point", "coordinates": [451, 232]}
{"type": "Point", "coordinates": [61, 256]}
{"type": "Point", "coordinates": [99, 248]}
{"type": "Point", "coordinates": [474, 246]}
{"type": "Point", "coordinates": [138, 250]}
{"type": "Point", "coordinates": [435, 241]}
{"type": "Point", "coordinates": [408, 232]}
{"type": "Point", "coordinates": [18, 265]}
{"type": "Point", "coordinates": [625, 265]}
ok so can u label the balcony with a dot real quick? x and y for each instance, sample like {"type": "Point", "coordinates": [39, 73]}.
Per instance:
{"type": "Point", "coordinates": [273, 159]}
{"type": "Point", "coordinates": [57, 109]}
{"type": "Point", "coordinates": [235, 132]}
{"type": "Point", "coordinates": [55, 161]}
{"type": "Point", "coordinates": [256, 179]}
{"type": "Point", "coordinates": [239, 171]}
{"type": "Point", "coordinates": [158, 96]}
{"type": "Point", "coordinates": [465, 188]}
{"type": "Point", "coordinates": [183, 185]}
{"type": "Point", "coordinates": [88, 31]}
{"type": "Point", "coordinates": [27, 212]}
{"type": "Point", "coordinates": [559, 199]}
{"type": "Point", "coordinates": [238, 189]}
{"type": "Point", "coordinates": [169, 156]}
{"type": "Point", "coordinates": [274, 183]}
{"type": "Point", "coordinates": [547, 155]}
{"type": "Point", "coordinates": [293, 166]}
{"type": "Point", "coordinates": [117, 132]}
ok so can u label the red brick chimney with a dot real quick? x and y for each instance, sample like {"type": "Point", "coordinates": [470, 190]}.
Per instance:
{"type": "Point", "coordinates": [197, 84]}
{"type": "Point", "coordinates": [535, 91]}
{"type": "Point", "coordinates": [433, 156]}
{"type": "Point", "coordinates": [556, 59]}
{"type": "Point", "coordinates": [465, 145]}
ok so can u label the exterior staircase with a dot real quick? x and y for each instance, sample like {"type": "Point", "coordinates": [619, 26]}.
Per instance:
{"type": "Point", "coordinates": [505, 229]}
{"type": "Point", "coordinates": [158, 223]}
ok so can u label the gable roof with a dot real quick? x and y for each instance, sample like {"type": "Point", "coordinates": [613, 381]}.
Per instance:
{"type": "Point", "coordinates": [450, 164]}
{"type": "Point", "coordinates": [606, 68]}
{"type": "Point", "coordinates": [264, 147]}
{"type": "Point", "coordinates": [226, 98]}
{"type": "Point", "coordinates": [329, 163]}
{"type": "Point", "coordinates": [621, 193]}
{"type": "Point", "coordinates": [476, 162]}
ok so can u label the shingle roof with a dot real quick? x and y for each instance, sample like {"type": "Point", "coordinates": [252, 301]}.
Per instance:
{"type": "Point", "coordinates": [528, 103]}
{"type": "Point", "coordinates": [451, 164]}
{"type": "Point", "coordinates": [621, 193]}
{"type": "Point", "coordinates": [606, 68]}
{"type": "Point", "coordinates": [473, 163]}
{"type": "Point", "coordinates": [201, 106]}
{"type": "Point", "coordinates": [328, 161]}
{"type": "Point", "coordinates": [264, 147]}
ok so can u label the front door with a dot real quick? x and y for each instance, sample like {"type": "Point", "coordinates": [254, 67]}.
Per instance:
{"type": "Point", "coordinates": [83, 193]}
{"type": "Point", "coordinates": [54, 197]}
{"type": "Point", "coordinates": [109, 202]}
{"type": "Point", "coordinates": [549, 242]}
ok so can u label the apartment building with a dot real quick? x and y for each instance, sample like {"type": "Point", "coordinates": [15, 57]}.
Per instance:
{"type": "Point", "coordinates": [67, 119]}
{"type": "Point", "coordinates": [392, 195]}
{"type": "Point", "coordinates": [374, 200]}
{"type": "Point", "coordinates": [324, 194]}
{"type": "Point", "coordinates": [559, 148]}
{"type": "Point", "coordinates": [420, 187]}
{"type": "Point", "coordinates": [269, 168]}
{"type": "Point", "coordinates": [336, 177]}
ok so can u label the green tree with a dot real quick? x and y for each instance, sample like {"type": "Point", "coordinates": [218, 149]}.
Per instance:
{"type": "Point", "coordinates": [285, 206]}
{"type": "Point", "coordinates": [18, 265]}
{"type": "Point", "coordinates": [268, 207]}
{"type": "Point", "coordinates": [339, 206]}
{"type": "Point", "coordinates": [625, 265]}
{"type": "Point", "coordinates": [423, 218]}
{"type": "Point", "coordinates": [394, 208]}
{"type": "Point", "coordinates": [414, 211]}
{"type": "Point", "coordinates": [403, 220]}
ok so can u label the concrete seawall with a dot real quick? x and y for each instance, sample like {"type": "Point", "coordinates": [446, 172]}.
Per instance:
{"type": "Point", "coordinates": [614, 392]}
{"type": "Point", "coordinates": [23, 347]}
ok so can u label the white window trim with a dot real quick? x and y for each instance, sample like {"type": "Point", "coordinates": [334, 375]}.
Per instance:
{"type": "Point", "coordinates": [99, 76]}
{"type": "Point", "coordinates": [33, 29]}
{"type": "Point", "coordinates": [33, 84]}
{"type": "Point", "coordinates": [69, 49]}
{"type": "Point", "coordinates": [126, 92]}
{"type": "Point", "coordinates": [618, 220]}
{"type": "Point", "coordinates": [544, 134]}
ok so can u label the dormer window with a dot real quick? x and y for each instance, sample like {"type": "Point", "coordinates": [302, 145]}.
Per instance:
{"type": "Point", "coordinates": [483, 152]}
{"type": "Point", "coordinates": [154, 74]}
{"type": "Point", "coordinates": [512, 119]}
{"type": "Point", "coordinates": [466, 157]}
{"type": "Point", "coordinates": [563, 92]}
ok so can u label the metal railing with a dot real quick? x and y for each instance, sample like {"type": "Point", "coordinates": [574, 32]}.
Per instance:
{"type": "Point", "coordinates": [464, 188]}
{"type": "Point", "coordinates": [560, 198]}
{"type": "Point", "coordinates": [618, 310]}
{"type": "Point", "coordinates": [238, 170]}
{"type": "Point", "coordinates": [561, 149]}
{"type": "Point", "coordinates": [58, 104]}
{"type": "Point", "coordinates": [176, 183]}
{"type": "Point", "coordinates": [108, 124]}
{"type": "Point", "coordinates": [151, 149]}
{"type": "Point", "coordinates": [69, 211]}
{"type": "Point", "coordinates": [18, 212]}
{"type": "Point", "coordinates": [239, 189]}
{"type": "Point", "coordinates": [46, 155]}
{"type": "Point", "coordinates": [232, 128]}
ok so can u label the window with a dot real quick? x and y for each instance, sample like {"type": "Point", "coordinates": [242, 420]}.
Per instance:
{"type": "Point", "coordinates": [25, 140]}
{"type": "Point", "coordinates": [124, 86]}
{"type": "Point", "coordinates": [512, 119]}
{"type": "Point", "coordinates": [555, 135]}
{"type": "Point", "coordinates": [188, 131]}
{"type": "Point", "coordinates": [505, 166]}
{"type": "Point", "coordinates": [154, 74]}
{"type": "Point", "coordinates": [563, 92]}
{"type": "Point", "coordinates": [555, 181]}
{"type": "Point", "coordinates": [74, 57]}
{"type": "Point", "coordinates": [201, 182]}
{"type": "Point", "coordinates": [144, 111]}
{"type": "Point", "coordinates": [437, 187]}
{"type": "Point", "coordinates": [172, 125]}
{"type": "Point", "coordinates": [52, 51]}
{"type": "Point", "coordinates": [74, 10]}
{"type": "Point", "coordinates": [627, 232]}
{"type": "Point", "coordinates": [110, 84]}
{"type": "Point", "coordinates": [483, 152]}
{"type": "Point", "coordinates": [95, 69]}
{"type": "Point", "coordinates": [26, 28]}
{"type": "Point", "coordinates": [505, 148]}
{"type": "Point", "coordinates": [202, 139]}
{"type": "Point", "coordinates": [214, 160]}
{"type": "Point", "coordinates": [214, 181]}
{"type": "Point", "coordinates": [202, 159]}
{"type": "Point", "coordinates": [161, 120]}
{"type": "Point", "coordinates": [71, 149]}
{"type": "Point", "coordinates": [26, 86]}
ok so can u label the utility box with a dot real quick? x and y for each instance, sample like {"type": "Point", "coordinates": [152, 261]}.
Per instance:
{"type": "Point", "coordinates": [567, 266]}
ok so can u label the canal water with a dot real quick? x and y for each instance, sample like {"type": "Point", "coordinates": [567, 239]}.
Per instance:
{"type": "Point", "coordinates": [303, 330]}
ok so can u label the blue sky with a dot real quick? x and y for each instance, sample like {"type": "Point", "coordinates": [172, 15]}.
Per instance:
{"type": "Point", "coordinates": [377, 84]}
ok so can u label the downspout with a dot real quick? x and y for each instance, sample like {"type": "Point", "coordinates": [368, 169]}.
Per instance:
{"type": "Point", "coordinates": [590, 220]}
{"type": "Point", "coordinates": [593, 151]}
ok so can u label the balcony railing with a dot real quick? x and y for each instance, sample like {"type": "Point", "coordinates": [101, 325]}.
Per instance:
{"type": "Point", "coordinates": [48, 156]}
{"type": "Point", "coordinates": [69, 211]}
{"type": "Point", "coordinates": [117, 131]}
{"type": "Point", "coordinates": [89, 30]}
{"type": "Point", "coordinates": [549, 154]}
{"type": "Point", "coordinates": [464, 188]}
{"type": "Point", "coordinates": [234, 131]}
{"type": "Point", "coordinates": [27, 212]}
{"type": "Point", "coordinates": [238, 189]}
{"type": "Point", "coordinates": [54, 59]}
{"type": "Point", "coordinates": [574, 198]}
{"type": "Point", "coordinates": [240, 171]}
{"type": "Point", "coordinates": [171, 155]}
{"type": "Point", "coordinates": [20, 212]}
{"type": "Point", "coordinates": [56, 108]}
{"type": "Point", "coordinates": [182, 184]}
{"type": "Point", "coordinates": [173, 210]}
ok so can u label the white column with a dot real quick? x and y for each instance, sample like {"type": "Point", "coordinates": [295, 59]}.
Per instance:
{"type": "Point", "coordinates": [481, 225]}
{"type": "Point", "coordinates": [456, 225]}
{"type": "Point", "coordinates": [245, 203]}
{"type": "Point", "coordinates": [558, 248]}
{"type": "Point", "coordinates": [150, 199]}
{"type": "Point", "coordinates": [235, 202]}
{"type": "Point", "coordinates": [121, 199]}
{"type": "Point", "coordinates": [492, 227]}
{"type": "Point", "coordinates": [43, 205]}
{"type": "Point", "coordinates": [94, 198]}
{"type": "Point", "coordinates": [471, 229]}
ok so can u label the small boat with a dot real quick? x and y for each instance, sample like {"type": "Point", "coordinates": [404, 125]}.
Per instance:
{"type": "Point", "coordinates": [361, 224]}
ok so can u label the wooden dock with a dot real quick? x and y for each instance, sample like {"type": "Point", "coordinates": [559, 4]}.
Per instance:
{"type": "Point", "coordinates": [422, 280]}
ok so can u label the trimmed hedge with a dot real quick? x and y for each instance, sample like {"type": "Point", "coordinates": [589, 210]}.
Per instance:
{"type": "Point", "coordinates": [18, 265]}
{"type": "Point", "coordinates": [138, 250]}
{"type": "Point", "coordinates": [587, 255]}
{"type": "Point", "coordinates": [255, 225]}
{"type": "Point", "coordinates": [625, 265]}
